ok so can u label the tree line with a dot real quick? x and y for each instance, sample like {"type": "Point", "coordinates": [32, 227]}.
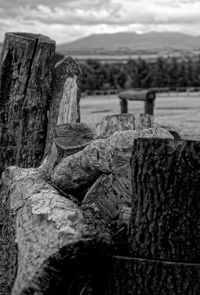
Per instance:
{"type": "Point", "coordinates": [141, 73]}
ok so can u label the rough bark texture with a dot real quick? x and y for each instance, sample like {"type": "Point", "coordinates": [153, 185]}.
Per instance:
{"type": "Point", "coordinates": [121, 122]}
{"type": "Point", "coordinates": [136, 276]}
{"type": "Point", "coordinates": [79, 171]}
{"type": "Point", "coordinates": [25, 85]}
{"type": "Point", "coordinates": [66, 93]}
{"type": "Point", "coordinates": [8, 245]}
{"type": "Point", "coordinates": [47, 237]}
{"type": "Point", "coordinates": [166, 200]}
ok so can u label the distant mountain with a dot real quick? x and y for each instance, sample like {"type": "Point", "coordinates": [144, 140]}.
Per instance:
{"type": "Point", "coordinates": [130, 42]}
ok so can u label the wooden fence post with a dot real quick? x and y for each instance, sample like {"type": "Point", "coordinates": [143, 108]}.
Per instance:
{"type": "Point", "coordinates": [149, 103]}
{"type": "Point", "coordinates": [123, 106]}
{"type": "Point", "coordinates": [26, 66]}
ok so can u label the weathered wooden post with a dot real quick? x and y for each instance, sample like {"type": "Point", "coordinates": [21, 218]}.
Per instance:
{"type": "Point", "coordinates": [149, 103]}
{"type": "Point", "coordinates": [123, 105]}
{"type": "Point", "coordinates": [26, 66]}
{"type": "Point", "coordinates": [148, 96]}
{"type": "Point", "coordinates": [66, 93]}
{"type": "Point", "coordinates": [164, 255]}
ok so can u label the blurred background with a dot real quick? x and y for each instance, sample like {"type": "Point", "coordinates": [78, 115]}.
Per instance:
{"type": "Point", "coordinates": [121, 45]}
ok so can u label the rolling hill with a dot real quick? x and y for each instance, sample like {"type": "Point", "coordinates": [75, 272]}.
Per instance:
{"type": "Point", "coordinates": [130, 42]}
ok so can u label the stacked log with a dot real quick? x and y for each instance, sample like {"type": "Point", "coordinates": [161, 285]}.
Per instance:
{"type": "Point", "coordinates": [130, 189]}
{"type": "Point", "coordinates": [45, 237]}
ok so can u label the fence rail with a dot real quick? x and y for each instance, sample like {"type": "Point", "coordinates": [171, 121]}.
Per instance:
{"type": "Point", "coordinates": [156, 89]}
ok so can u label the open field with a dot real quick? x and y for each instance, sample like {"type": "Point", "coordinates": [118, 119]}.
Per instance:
{"type": "Point", "coordinates": [181, 111]}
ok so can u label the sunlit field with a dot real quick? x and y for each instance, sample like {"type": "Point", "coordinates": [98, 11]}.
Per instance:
{"type": "Point", "coordinates": [181, 111]}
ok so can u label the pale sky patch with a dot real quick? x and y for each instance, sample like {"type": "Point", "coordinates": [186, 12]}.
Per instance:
{"type": "Point", "coordinates": [67, 20]}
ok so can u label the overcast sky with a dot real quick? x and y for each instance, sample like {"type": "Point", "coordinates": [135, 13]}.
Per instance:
{"type": "Point", "coordinates": [67, 20]}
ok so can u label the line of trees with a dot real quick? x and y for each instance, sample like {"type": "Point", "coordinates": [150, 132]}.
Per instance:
{"type": "Point", "coordinates": [141, 73]}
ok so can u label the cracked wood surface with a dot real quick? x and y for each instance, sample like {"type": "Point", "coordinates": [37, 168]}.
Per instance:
{"type": "Point", "coordinates": [25, 83]}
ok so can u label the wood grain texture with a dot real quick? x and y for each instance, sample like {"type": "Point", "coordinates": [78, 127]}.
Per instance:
{"type": "Point", "coordinates": [49, 238]}
{"type": "Point", "coordinates": [137, 276]}
{"type": "Point", "coordinates": [66, 93]}
{"type": "Point", "coordinates": [165, 204]}
{"type": "Point", "coordinates": [26, 66]}
{"type": "Point", "coordinates": [121, 122]}
{"type": "Point", "coordinates": [72, 137]}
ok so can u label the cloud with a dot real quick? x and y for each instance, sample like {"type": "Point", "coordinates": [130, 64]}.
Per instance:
{"type": "Point", "coordinates": [65, 20]}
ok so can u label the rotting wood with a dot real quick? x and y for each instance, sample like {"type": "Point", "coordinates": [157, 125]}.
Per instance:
{"type": "Point", "coordinates": [26, 67]}
{"type": "Point", "coordinates": [48, 239]}
{"type": "Point", "coordinates": [121, 122]}
{"type": "Point", "coordinates": [66, 93]}
{"type": "Point", "coordinates": [165, 203]}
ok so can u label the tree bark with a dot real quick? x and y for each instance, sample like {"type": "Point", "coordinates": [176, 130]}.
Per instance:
{"type": "Point", "coordinates": [135, 276]}
{"type": "Point", "coordinates": [121, 122]}
{"type": "Point", "coordinates": [46, 239]}
{"type": "Point", "coordinates": [165, 203]}
{"type": "Point", "coordinates": [25, 85]}
{"type": "Point", "coordinates": [66, 93]}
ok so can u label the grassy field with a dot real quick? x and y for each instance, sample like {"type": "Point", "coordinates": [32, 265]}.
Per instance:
{"type": "Point", "coordinates": [181, 111]}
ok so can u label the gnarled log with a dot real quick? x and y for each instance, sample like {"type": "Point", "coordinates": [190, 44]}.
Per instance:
{"type": "Point", "coordinates": [79, 171]}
